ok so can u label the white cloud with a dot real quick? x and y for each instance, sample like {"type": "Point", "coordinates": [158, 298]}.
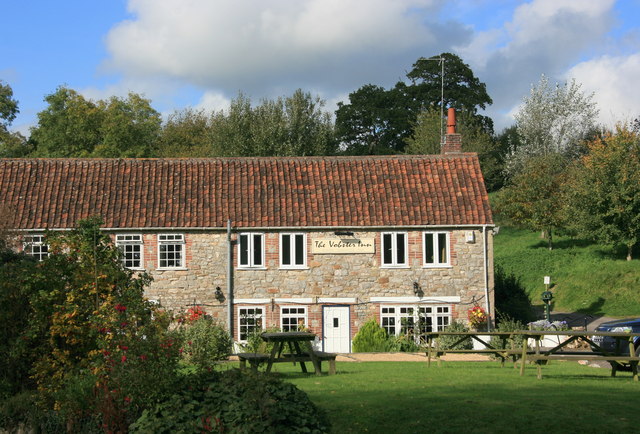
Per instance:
{"type": "Point", "coordinates": [614, 83]}
{"type": "Point", "coordinates": [257, 46]}
{"type": "Point", "coordinates": [213, 102]}
{"type": "Point", "coordinates": [543, 36]}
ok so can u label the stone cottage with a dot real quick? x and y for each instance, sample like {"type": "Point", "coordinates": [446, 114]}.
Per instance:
{"type": "Point", "coordinates": [323, 243]}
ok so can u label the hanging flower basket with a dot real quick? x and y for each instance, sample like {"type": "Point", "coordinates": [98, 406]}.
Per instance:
{"type": "Point", "coordinates": [477, 317]}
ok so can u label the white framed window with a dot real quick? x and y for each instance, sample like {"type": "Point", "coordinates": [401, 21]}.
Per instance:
{"type": "Point", "coordinates": [293, 250]}
{"type": "Point", "coordinates": [251, 250]}
{"type": "Point", "coordinates": [435, 248]}
{"type": "Point", "coordinates": [293, 318]}
{"type": "Point", "coordinates": [395, 249]}
{"type": "Point", "coordinates": [35, 246]}
{"type": "Point", "coordinates": [132, 250]}
{"type": "Point", "coordinates": [171, 251]}
{"type": "Point", "coordinates": [414, 320]}
{"type": "Point", "coordinates": [250, 320]}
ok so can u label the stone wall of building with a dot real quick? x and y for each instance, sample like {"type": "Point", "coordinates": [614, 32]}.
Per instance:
{"type": "Point", "coordinates": [357, 276]}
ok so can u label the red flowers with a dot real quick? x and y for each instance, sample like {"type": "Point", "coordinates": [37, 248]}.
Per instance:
{"type": "Point", "coordinates": [120, 307]}
{"type": "Point", "coordinates": [192, 315]}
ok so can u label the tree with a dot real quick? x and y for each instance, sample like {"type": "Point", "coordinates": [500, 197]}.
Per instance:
{"type": "Point", "coordinates": [130, 128]}
{"type": "Point", "coordinates": [8, 105]}
{"type": "Point", "coordinates": [287, 126]}
{"type": "Point", "coordinates": [379, 121]}
{"type": "Point", "coordinates": [552, 120]}
{"type": "Point", "coordinates": [186, 133]}
{"type": "Point", "coordinates": [72, 126]}
{"type": "Point", "coordinates": [12, 144]}
{"type": "Point", "coordinates": [462, 89]}
{"type": "Point", "coordinates": [375, 121]}
{"type": "Point", "coordinates": [534, 199]}
{"type": "Point", "coordinates": [426, 140]}
{"type": "Point", "coordinates": [604, 190]}
{"type": "Point", "coordinates": [68, 127]}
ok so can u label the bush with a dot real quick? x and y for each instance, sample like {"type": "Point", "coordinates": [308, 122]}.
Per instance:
{"type": "Point", "coordinates": [511, 299]}
{"type": "Point", "coordinates": [451, 342]}
{"type": "Point", "coordinates": [234, 401]}
{"type": "Point", "coordinates": [204, 342]}
{"type": "Point", "coordinates": [255, 343]}
{"type": "Point", "coordinates": [403, 343]}
{"type": "Point", "coordinates": [371, 338]}
{"type": "Point", "coordinates": [508, 324]}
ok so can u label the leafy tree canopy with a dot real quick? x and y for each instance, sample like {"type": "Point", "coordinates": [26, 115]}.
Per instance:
{"type": "Point", "coordinates": [380, 121]}
{"type": "Point", "coordinates": [287, 126]}
{"type": "Point", "coordinates": [8, 105]}
{"type": "Point", "coordinates": [604, 190]}
{"type": "Point", "coordinates": [533, 199]}
{"type": "Point", "coordinates": [554, 119]}
{"type": "Point", "coordinates": [12, 144]}
{"type": "Point", "coordinates": [72, 126]}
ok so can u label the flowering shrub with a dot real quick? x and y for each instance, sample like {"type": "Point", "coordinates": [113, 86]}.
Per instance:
{"type": "Point", "coordinates": [95, 347]}
{"type": "Point", "coordinates": [548, 325]}
{"type": "Point", "coordinates": [477, 317]}
{"type": "Point", "coordinates": [192, 315]}
{"type": "Point", "coordinates": [204, 342]}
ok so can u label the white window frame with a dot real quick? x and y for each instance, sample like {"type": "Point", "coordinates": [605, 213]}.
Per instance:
{"type": "Point", "coordinates": [435, 249]}
{"type": "Point", "coordinates": [128, 243]}
{"type": "Point", "coordinates": [291, 312]}
{"type": "Point", "coordinates": [394, 250]}
{"type": "Point", "coordinates": [293, 251]}
{"type": "Point", "coordinates": [251, 239]}
{"type": "Point", "coordinates": [260, 317]}
{"type": "Point", "coordinates": [435, 318]}
{"type": "Point", "coordinates": [35, 246]}
{"type": "Point", "coordinates": [171, 240]}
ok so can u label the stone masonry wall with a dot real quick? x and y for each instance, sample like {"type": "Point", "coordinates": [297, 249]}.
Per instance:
{"type": "Point", "coordinates": [358, 276]}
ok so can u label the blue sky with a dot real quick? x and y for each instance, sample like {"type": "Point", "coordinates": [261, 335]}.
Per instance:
{"type": "Point", "coordinates": [201, 53]}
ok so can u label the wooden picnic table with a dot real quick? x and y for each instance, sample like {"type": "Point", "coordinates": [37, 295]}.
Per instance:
{"type": "Point", "coordinates": [540, 354]}
{"type": "Point", "coordinates": [561, 352]}
{"type": "Point", "coordinates": [502, 352]}
{"type": "Point", "coordinates": [300, 351]}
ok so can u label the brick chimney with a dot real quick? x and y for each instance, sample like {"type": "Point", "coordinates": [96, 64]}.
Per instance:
{"type": "Point", "coordinates": [452, 142]}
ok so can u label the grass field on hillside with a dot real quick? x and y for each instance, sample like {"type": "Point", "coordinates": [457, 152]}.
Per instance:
{"type": "Point", "coordinates": [586, 277]}
{"type": "Point", "coordinates": [471, 397]}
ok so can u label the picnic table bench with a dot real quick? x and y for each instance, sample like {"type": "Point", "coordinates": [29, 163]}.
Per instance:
{"type": "Point", "coordinates": [296, 354]}
{"type": "Point", "coordinates": [539, 354]}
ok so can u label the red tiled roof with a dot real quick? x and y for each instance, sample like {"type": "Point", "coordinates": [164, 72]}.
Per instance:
{"type": "Point", "coordinates": [252, 192]}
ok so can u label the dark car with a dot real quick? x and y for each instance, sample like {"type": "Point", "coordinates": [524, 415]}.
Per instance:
{"type": "Point", "coordinates": [631, 325]}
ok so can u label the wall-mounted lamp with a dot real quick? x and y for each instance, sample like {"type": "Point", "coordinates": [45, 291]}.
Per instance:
{"type": "Point", "coordinates": [343, 233]}
{"type": "Point", "coordinates": [218, 294]}
{"type": "Point", "coordinates": [417, 290]}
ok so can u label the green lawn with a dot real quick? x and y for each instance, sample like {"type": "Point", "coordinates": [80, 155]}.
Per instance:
{"type": "Point", "coordinates": [587, 277]}
{"type": "Point", "coordinates": [462, 397]}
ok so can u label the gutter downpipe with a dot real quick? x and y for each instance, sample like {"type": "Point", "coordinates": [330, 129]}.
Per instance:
{"type": "Point", "coordinates": [486, 276]}
{"type": "Point", "coordinates": [229, 279]}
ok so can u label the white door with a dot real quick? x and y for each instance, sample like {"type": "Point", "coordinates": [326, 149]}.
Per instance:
{"type": "Point", "coordinates": [336, 337]}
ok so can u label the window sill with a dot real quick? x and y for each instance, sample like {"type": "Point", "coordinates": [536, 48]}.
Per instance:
{"type": "Point", "coordinates": [250, 268]}
{"type": "Point", "coordinates": [301, 267]}
{"type": "Point", "coordinates": [438, 266]}
{"type": "Point", "coordinates": [172, 269]}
